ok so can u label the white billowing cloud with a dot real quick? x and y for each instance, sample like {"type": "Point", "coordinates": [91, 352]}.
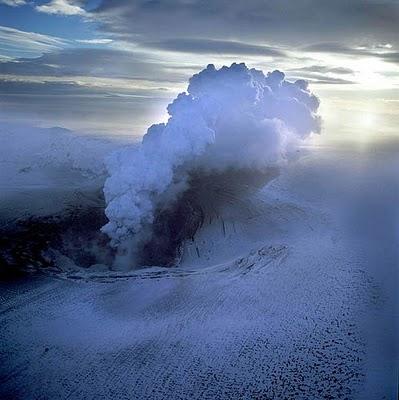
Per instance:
{"type": "Point", "coordinates": [13, 3]}
{"type": "Point", "coordinates": [62, 7]}
{"type": "Point", "coordinates": [231, 118]}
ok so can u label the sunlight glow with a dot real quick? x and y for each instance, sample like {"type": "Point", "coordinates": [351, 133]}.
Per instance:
{"type": "Point", "coordinates": [367, 120]}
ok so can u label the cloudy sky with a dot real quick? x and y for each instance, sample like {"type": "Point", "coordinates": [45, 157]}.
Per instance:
{"type": "Point", "coordinates": [113, 65]}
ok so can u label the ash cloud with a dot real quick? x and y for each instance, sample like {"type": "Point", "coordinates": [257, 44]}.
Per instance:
{"type": "Point", "coordinates": [230, 119]}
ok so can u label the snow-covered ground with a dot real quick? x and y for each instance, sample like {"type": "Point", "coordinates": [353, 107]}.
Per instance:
{"type": "Point", "coordinates": [42, 169]}
{"type": "Point", "coordinates": [286, 294]}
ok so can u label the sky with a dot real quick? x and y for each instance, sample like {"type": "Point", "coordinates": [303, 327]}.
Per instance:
{"type": "Point", "coordinates": [112, 66]}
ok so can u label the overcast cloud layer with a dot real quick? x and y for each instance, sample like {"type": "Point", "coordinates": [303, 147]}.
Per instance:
{"type": "Point", "coordinates": [284, 21]}
{"type": "Point", "coordinates": [149, 48]}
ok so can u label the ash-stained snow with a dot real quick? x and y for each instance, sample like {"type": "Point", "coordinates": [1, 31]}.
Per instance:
{"type": "Point", "coordinates": [272, 326]}
{"type": "Point", "coordinates": [276, 297]}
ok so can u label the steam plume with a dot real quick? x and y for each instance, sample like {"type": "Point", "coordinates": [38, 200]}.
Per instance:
{"type": "Point", "coordinates": [234, 118]}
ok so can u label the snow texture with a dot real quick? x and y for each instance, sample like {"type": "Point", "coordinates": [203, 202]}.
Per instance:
{"type": "Point", "coordinates": [285, 296]}
{"type": "Point", "coordinates": [42, 168]}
